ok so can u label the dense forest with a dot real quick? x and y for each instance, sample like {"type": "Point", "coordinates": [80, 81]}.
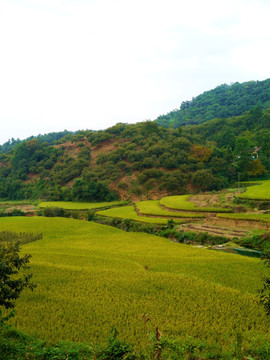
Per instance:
{"type": "Point", "coordinates": [141, 160]}
{"type": "Point", "coordinates": [222, 102]}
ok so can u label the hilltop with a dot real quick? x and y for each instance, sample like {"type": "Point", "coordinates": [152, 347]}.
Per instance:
{"type": "Point", "coordinates": [222, 102]}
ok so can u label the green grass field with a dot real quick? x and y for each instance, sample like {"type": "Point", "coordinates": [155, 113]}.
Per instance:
{"type": "Point", "coordinates": [69, 205]}
{"type": "Point", "coordinates": [249, 217]}
{"type": "Point", "coordinates": [128, 212]}
{"type": "Point", "coordinates": [152, 207]}
{"type": "Point", "coordinates": [257, 192]}
{"type": "Point", "coordinates": [92, 277]}
{"type": "Point", "coordinates": [180, 202]}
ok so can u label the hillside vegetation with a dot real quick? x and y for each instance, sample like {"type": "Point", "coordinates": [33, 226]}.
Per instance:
{"type": "Point", "coordinates": [140, 161]}
{"type": "Point", "coordinates": [222, 102]}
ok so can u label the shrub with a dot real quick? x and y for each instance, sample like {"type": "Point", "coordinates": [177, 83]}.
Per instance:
{"type": "Point", "coordinates": [55, 212]}
{"type": "Point", "coordinates": [91, 215]}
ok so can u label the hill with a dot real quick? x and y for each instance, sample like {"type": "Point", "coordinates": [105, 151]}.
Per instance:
{"type": "Point", "coordinates": [138, 161]}
{"type": "Point", "coordinates": [222, 102]}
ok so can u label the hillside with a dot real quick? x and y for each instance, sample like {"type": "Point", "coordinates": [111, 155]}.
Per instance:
{"type": "Point", "coordinates": [222, 102]}
{"type": "Point", "coordinates": [138, 161]}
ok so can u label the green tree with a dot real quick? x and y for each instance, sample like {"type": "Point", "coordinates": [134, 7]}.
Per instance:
{"type": "Point", "coordinates": [242, 153]}
{"type": "Point", "coordinates": [265, 292]}
{"type": "Point", "coordinates": [13, 278]}
{"type": "Point", "coordinates": [205, 180]}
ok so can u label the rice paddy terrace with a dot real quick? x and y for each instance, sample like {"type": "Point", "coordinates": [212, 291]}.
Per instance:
{"type": "Point", "coordinates": [92, 277]}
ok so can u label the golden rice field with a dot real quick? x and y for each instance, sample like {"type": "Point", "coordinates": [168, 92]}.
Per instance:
{"type": "Point", "coordinates": [181, 202]}
{"type": "Point", "coordinates": [128, 212]}
{"type": "Point", "coordinates": [92, 277]}
{"type": "Point", "coordinates": [257, 192]}
{"type": "Point", "coordinates": [70, 205]}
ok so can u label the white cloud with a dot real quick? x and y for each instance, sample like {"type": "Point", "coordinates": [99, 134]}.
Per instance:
{"type": "Point", "coordinates": [88, 64]}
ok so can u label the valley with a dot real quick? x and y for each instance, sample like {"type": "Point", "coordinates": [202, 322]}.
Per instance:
{"type": "Point", "coordinates": [145, 240]}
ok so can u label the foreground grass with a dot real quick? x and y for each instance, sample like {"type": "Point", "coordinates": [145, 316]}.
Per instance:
{"type": "Point", "coordinates": [128, 212]}
{"type": "Point", "coordinates": [257, 192]}
{"type": "Point", "coordinates": [69, 205]}
{"type": "Point", "coordinates": [180, 202]}
{"type": "Point", "coordinates": [152, 207]}
{"type": "Point", "coordinates": [92, 277]}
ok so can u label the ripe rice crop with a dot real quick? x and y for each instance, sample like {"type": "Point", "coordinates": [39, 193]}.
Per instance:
{"type": "Point", "coordinates": [128, 212]}
{"type": "Point", "coordinates": [249, 217]}
{"type": "Point", "coordinates": [69, 205]}
{"type": "Point", "coordinates": [152, 207]}
{"type": "Point", "coordinates": [257, 192]}
{"type": "Point", "coordinates": [180, 202]}
{"type": "Point", "coordinates": [92, 277]}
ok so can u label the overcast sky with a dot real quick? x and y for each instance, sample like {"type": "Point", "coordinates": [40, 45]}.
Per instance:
{"type": "Point", "coordinates": [78, 64]}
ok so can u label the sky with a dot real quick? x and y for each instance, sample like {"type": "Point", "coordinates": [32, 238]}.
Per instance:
{"type": "Point", "coordinates": [89, 64]}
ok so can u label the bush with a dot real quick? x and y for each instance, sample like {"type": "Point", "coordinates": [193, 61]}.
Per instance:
{"type": "Point", "coordinates": [14, 212]}
{"type": "Point", "coordinates": [91, 216]}
{"type": "Point", "coordinates": [55, 212]}
{"type": "Point", "coordinates": [116, 349]}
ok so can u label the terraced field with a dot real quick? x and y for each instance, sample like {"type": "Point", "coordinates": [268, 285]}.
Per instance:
{"type": "Point", "coordinates": [128, 212]}
{"type": "Point", "coordinates": [180, 202]}
{"type": "Point", "coordinates": [257, 192]}
{"type": "Point", "coordinates": [152, 207]}
{"type": "Point", "coordinates": [92, 277]}
{"type": "Point", "coordinates": [69, 205]}
{"type": "Point", "coordinates": [264, 218]}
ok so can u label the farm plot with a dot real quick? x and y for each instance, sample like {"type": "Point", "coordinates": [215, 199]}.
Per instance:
{"type": "Point", "coordinates": [92, 277]}
{"type": "Point", "coordinates": [128, 212]}
{"type": "Point", "coordinates": [9, 206]}
{"type": "Point", "coordinates": [152, 207]}
{"type": "Point", "coordinates": [265, 218]}
{"type": "Point", "coordinates": [69, 205]}
{"type": "Point", "coordinates": [257, 192]}
{"type": "Point", "coordinates": [180, 202]}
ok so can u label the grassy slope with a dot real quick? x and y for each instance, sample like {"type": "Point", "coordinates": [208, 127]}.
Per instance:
{"type": "Point", "coordinates": [128, 212]}
{"type": "Point", "coordinates": [180, 202]}
{"type": "Point", "coordinates": [69, 205]}
{"type": "Point", "coordinates": [152, 207]}
{"type": "Point", "coordinates": [91, 277]}
{"type": "Point", "coordinates": [259, 192]}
